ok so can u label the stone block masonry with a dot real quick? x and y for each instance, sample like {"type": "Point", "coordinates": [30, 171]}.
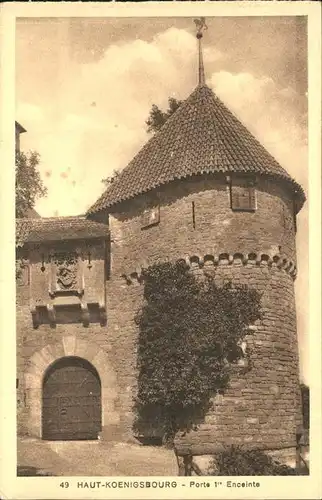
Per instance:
{"type": "Point", "coordinates": [215, 228]}
{"type": "Point", "coordinates": [261, 406]}
{"type": "Point", "coordinates": [196, 223]}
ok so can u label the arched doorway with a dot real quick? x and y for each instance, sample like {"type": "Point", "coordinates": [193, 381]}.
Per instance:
{"type": "Point", "coordinates": [71, 400]}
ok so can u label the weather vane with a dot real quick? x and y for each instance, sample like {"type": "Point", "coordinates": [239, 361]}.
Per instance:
{"type": "Point", "coordinates": [201, 26]}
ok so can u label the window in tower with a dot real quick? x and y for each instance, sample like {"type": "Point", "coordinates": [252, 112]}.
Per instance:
{"type": "Point", "coordinates": [243, 194]}
{"type": "Point", "coordinates": [150, 217]}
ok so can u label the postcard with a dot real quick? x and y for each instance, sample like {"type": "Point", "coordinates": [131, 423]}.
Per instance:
{"type": "Point", "coordinates": [161, 256]}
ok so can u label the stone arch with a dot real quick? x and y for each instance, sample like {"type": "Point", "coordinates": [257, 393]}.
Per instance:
{"type": "Point", "coordinates": [69, 345]}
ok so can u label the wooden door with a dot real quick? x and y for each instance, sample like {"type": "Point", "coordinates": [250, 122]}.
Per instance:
{"type": "Point", "coordinates": [71, 402]}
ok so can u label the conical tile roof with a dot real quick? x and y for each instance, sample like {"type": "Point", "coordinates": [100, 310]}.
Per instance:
{"type": "Point", "coordinates": [202, 136]}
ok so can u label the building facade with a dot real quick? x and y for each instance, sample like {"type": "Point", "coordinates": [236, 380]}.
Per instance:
{"type": "Point", "coordinates": [202, 189]}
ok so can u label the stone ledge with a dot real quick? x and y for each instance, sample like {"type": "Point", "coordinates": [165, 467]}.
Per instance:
{"type": "Point", "coordinates": [210, 261]}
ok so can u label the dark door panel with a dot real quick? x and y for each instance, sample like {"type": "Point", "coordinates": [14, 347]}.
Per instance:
{"type": "Point", "coordinates": [71, 401]}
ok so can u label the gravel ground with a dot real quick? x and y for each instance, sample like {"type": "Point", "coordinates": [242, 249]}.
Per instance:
{"type": "Point", "coordinates": [93, 458]}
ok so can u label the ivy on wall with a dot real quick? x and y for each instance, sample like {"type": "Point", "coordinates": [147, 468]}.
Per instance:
{"type": "Point", "coordinates": [190, 330]}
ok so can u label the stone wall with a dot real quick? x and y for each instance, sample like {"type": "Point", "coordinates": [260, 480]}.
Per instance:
{"type": "Point", "coordinates": [260, 408]}
{"type": "Point", "coordinates": [38, 347]}
{"type": "Point", "coordinates": [257, 248]}
{"type": "Point", "coordinates": [215, 227]}
{"type": "Point", "coordinates": [197, 224]}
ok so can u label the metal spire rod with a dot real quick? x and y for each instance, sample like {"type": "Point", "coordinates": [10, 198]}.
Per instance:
{"type": "Point", "coordinates": [201, 26]}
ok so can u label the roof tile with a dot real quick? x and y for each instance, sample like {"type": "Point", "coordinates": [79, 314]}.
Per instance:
{"type": "Point", "coordinates": [58, 229]}
{"type": "Point", "coordinates": [201, 136]}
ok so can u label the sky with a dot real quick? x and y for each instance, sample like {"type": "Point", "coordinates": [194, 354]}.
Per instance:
{"type": "Point", "coordinates": [84, 88]}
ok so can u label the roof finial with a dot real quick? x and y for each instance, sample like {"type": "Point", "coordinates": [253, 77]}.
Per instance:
{"type": "Point", "coordinates": [201, 26]}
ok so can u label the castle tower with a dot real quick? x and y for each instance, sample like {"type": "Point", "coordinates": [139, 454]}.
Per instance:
{"type": "Point", "coordinates": [205, 190]}
{"type": "Point", "coordinates": [202, 189]}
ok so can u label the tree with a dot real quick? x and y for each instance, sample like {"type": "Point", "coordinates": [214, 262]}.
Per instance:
{"type": "Point", "coordinates": [190, 331]}
{"type": "Point", "coordinates": [109, 180]}
{"type": "Point", "coordinates": [157, 117]}
{"type": "Point", "coordinates": [29, 186]}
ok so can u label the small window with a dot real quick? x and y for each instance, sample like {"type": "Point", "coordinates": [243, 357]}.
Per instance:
{"type": "Point", "coordinates": [150, 217]}
{"type": "Point", "coordinates": [243, 194]}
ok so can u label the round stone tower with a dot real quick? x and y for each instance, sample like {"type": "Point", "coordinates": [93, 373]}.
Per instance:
{"type": "Point", "coordinates": [205, 190]}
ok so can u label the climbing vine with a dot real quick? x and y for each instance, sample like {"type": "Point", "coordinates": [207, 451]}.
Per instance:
{"type": "Point", "coordinates": [190, 330]}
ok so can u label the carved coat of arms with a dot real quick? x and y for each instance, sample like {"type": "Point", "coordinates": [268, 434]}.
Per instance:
{"type": "Point", "coordinates": [66, 271]}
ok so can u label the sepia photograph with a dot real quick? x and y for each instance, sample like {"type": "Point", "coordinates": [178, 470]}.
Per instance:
{"type": "Point", "coordinates": [161, 249]}
{"type": "Point", "coordinates": [161, 167]}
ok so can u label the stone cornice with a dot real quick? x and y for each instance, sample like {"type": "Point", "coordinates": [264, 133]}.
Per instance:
{"type": "Point", "coordinates": [210, 260]}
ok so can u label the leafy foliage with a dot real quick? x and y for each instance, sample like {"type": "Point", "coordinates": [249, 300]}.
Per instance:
{"type": "Point", "coordinates": [29, 186]}
{"type": "Point", "coordinates": [190, 331]}
{"type": "Point", "coordinates": [109, 180]}
{"type": "Point", "coordinates": [157, 117]}
{"type": "Point", "coordinates": [234, 461]}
